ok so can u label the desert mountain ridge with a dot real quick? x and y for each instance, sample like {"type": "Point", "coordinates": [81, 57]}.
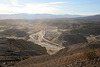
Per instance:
{"type": "Point", "coordinates": [36, 16]}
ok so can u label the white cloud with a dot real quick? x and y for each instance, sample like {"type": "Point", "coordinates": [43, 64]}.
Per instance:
{"type": "Point", "coordinates": [56, 2]}
{"type": "Point", "coordinates": [42, 8]}
{"type": "Point", "coordinates": [14, 2]}
{"type": "Point", "coordinates": [31, 8]}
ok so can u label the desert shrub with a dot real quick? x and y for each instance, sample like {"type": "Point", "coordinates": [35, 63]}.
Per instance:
{"type": "Point", "coordinates": [90, 55]}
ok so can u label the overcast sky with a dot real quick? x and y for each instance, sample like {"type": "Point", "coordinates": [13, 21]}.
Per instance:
{"type": "Point", "coordinates": [80, 7]}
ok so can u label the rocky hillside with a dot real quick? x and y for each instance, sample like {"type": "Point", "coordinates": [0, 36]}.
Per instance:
{"type": "Point", "coordinates": [87, 56]}
{"type": "Point", "coordinates": [14, 32]}
{"type": "Point", "coordinates": [19, 46]}
{"type": "Point", "coordinates": [88, 29]}
{"type": "Point", "coordinates": [69, 39]}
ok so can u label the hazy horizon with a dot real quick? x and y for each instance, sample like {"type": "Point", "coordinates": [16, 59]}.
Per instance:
{"type": "Point", "coordinates": [57, 7]}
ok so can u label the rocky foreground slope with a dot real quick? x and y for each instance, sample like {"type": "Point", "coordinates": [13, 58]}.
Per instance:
{"type": "Point", "coordinates": [85, 55]}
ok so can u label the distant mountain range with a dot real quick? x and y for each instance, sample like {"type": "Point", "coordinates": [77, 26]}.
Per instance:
{"type": "Point", "coordinates": [43, 16]}
{"type": "Point", "coordinates": [96, 17]}
{"type": "Point", "coordinates": [36, 16]}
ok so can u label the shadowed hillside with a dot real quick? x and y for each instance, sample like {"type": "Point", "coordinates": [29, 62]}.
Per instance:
{"type": "Point", "coordinates": [14, 32]}
{"type": "Point", "coordinates": [26, 45]}
{"type": "Point", "coordinates": [71, 39]}
{"type": "Point", "coordinates": [85, 55]}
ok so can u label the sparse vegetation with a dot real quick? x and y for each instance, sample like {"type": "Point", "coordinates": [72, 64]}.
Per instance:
{"type": "Point", "coordinates": [14, 32]}
{"type": "Point", "coordinates": [90, 55]}
{"type": "Point", "coordinates": [72, 38]}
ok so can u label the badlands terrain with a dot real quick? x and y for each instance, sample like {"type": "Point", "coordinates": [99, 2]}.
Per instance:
{"type": "Point", "coordinates": [59, 42]}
